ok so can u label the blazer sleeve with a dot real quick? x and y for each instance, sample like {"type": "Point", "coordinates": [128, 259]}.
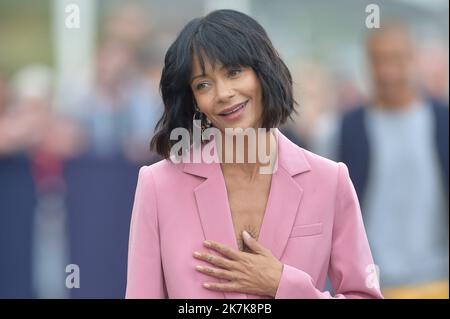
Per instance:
{"type": "Point", "coordinates": [144, 275]}
{"type": "Point", "coordinates": [352, 272]}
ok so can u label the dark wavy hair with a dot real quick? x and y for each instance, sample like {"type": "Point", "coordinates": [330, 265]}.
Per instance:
{"type": "Point", "coordinates": [233, 39]}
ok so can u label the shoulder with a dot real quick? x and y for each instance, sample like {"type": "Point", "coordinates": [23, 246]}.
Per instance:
{"type": "Point", "coordinates": [440, 104]}
{"type": "Point", "coordinates": [325, 171]}
{"type": "Point", "coordinates": [353, 120]}
{"type": "Point", "coordinates": [441, 109]}
{"type": "Point", "coordinates": [161, 168]}
{"type": "Point", "coordinates": [320, 163]}
{"type": "Point", "coordinates": [334, 177]}
{"type": "Point", "coordinates": [354, 113]}
{"type": "Point", "coordinates": [160, 173]}
{"type": "Point", "coordinates": [295, 160]}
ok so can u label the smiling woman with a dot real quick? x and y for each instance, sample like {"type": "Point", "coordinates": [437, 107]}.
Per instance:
{"type": "Point", "coordinates": [224, 229]}
{"type": "Point", "coordinates": [213, 88]}
{"type": "Point", "coordinates": [226, 53]}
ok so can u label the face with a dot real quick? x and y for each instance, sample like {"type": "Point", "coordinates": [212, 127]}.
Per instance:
{"type": "Point", "coordinates": [231, 97]}
{"type": "Point", "coordinates": [392, 62]}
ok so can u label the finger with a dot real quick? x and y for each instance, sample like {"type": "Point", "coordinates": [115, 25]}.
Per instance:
{"type": "Point", "coordinates": [226, 287]}
{"type": "Point", "coordinates": [223, 249]}
{"type": "Point", "coordinates": [216, 272]}
{"type": "Point", "coordinates": [253, 244]}
{"type": "Point", "coordinates": [216, 260]}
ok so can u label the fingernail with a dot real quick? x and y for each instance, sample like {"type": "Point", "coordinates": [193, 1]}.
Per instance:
{"type": "Point", "coordinates": [197, 254]}
{"type": "Point", "coordinates": [206, 285]}
{"type": "Point", "coordinates": [246, 235]}
{"type": "Point", "coordinates": [199, 267]}
{"type": "Point", "coordinates": [207, 243]}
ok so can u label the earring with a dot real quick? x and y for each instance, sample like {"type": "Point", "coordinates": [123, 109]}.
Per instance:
{"type": "Point", "coordinates": [198, 116]}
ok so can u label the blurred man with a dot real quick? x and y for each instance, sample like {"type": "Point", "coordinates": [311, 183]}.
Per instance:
{"type": "Point", "coordinates": [397, 152]}
{"type": "Point", "coordinates": [433, 66]}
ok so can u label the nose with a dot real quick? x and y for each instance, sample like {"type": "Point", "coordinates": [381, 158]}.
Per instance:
{"type": "Point", "coordinates": [224, 91]}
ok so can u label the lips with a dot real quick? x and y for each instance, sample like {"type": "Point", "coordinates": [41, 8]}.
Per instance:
{"type": "Point", "coordinates": [235, 108]}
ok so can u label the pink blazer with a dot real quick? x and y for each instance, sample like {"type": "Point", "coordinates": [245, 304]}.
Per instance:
{"type": "Point", "coordinates": [312, 224]}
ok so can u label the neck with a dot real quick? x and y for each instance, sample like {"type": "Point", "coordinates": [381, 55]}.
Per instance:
{"type": "Point", "coordinates": [248, 155]}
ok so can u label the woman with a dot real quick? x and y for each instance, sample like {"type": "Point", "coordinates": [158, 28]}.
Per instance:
{"type": "Point", "coordinates": [273, 227]}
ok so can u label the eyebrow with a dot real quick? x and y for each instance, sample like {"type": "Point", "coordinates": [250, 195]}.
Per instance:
{"type": "Point", "coordinates": [197, 76]}
{"type": "Point", "coordinates": [204, 74]}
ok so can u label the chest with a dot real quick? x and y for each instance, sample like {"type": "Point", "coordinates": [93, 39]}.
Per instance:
{"type": "Point", "coordinates": [248, 203]}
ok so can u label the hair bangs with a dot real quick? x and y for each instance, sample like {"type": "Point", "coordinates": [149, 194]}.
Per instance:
{"type": "Point", "coordinates": [218, 46]}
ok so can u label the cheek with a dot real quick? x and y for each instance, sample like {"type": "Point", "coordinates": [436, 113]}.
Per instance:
{"type": "Point", "coordinates": [257, 95]}
{"type": "Point", "coordinates": [252, 86]}
{"type": "Point", "coordinates": [205, 103]}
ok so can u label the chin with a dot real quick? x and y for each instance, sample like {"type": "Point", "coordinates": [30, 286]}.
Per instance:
{"type": "Point", "coordinates": [242, 126]}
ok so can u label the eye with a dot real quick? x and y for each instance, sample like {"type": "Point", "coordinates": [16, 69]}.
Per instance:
{"type": "Point", "coordinates": [232, 72]}
{"type": "Point", "coordinates": [201, 85]}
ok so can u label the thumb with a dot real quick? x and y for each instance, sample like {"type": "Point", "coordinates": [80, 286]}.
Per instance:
{"type": "Point", "coordinates": [252, 243]}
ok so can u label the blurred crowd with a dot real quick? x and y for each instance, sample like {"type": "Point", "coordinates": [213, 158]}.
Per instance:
{"type": "Point", "coordinates": [67, 179]}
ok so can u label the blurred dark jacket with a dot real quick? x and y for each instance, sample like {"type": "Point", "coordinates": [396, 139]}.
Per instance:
{"type": "Point", "coordinates": [354, 148]}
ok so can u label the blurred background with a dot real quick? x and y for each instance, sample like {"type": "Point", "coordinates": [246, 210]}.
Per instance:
{"type": "Point", "coordinates": [79, 101]}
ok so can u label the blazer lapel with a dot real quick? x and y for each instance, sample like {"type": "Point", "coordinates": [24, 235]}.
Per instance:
{"type": "Point", "coordinates": [213, 208]}
{"type": "Point", "coordinates": [284, 198]}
